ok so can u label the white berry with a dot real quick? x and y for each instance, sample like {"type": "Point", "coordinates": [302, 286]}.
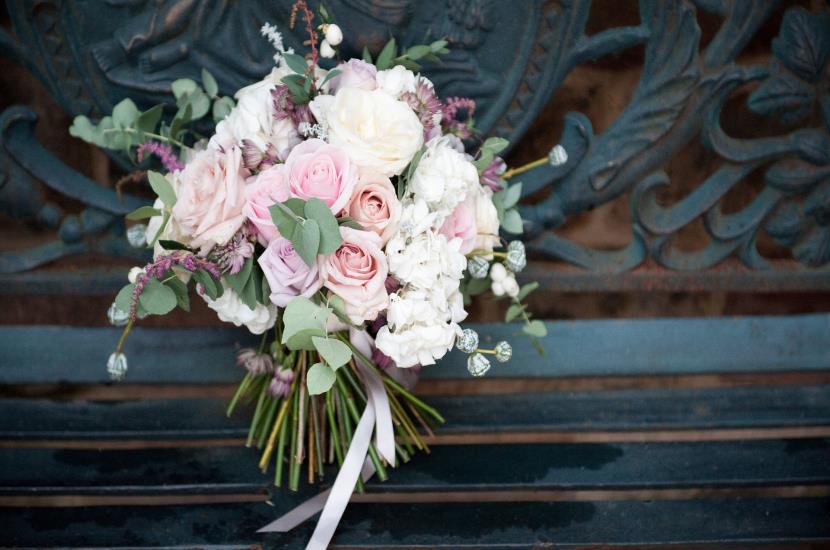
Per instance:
{"type": "Point", "coordinates": [511, 287]}
{"type": "Point", "coordinates": [132, 276]}
{"type": "Point", "coordinates": [498, 288]}
{"type": "Point", "coordinates": [326, 50]}
{"type": "Point", "coordinates": [334, 36]}
{"type": "Point", "coordinates": [498, 272]}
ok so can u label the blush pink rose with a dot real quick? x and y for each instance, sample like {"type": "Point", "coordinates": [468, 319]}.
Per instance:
{"type": "Point", "coordinates": [211, 197]}
{"type": "Point", "coordinates": [461, 223]}
{"type": "Point", "coordinates": [267, 188]}
{"type": "Point", "coordinates": [288, 275]}
{"type": "Point", "coordinates": [357, 273]}
{"type": "Point", "coordinates": [375, 206]}
{"type": "Point", "coordinates": [355, 73]}
{"type": "Point", "coordinates": [319, 170]}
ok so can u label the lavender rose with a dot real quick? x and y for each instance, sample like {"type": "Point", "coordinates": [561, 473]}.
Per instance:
{"type": "Point", "coordinates": [354, 73]}
{"type": "Point", "coordinates": [288, 275]}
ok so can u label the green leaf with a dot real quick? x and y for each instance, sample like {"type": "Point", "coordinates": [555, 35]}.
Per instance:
{"type": "Point", "coordinates": [181, 291]}
{"type": "Point", "coordinates": [306, 240]}
{"type": "Point", "coordinates": [285, 224]}
{"type": "Point", "coordinates": [339, 307]}
{"type": "Point", "coordinates": [511, 196]}
{"type": "Point", "coordinates": [513, 312]}
{"type": "Point", "coordinates": [330, 239]}
{"type": "Point", "coordinates": [240, 279]}
{"type": "Point", "coordinates": [162, 188]}
{"type": "Point", "coordinates": [526, 289]}
{"type": "Point", "coordinates": [157, 298]}
{"type": "Point", "coordinates": [172, 245]}
{"type": "Point", "coordinates": [200, 102]}
{"type": "Point", "coordinates": [222, 108]}
{"type": "Point", "coordinates": [334, 352]}
{"type": "Point", "coordinates": [125, 297]}
{"type": "Point", "coordinates": [417, 52]}
{"type": "Point", "coordinates": [495, 144]}
{"type": "Point", "coordinates": [143, 212]}
{"type": "Point", "coordinates": [295, 62]}
{"type": "Point", "coordinates": [183, 87]}
{"type": "Point", "coordinates": [438, 45]}
{"type": "Point", "coordinates": [297, 206]}
{"type": "Point", "coordinates": [211, 87]}
{"type": "Point", "coordinates": [182, 117]}
{"type": "Point", "coordinates": [149, 119]}
{"type": "Point", "coordinates": [367, 56]}
{"type": "Point", "coordinates": [213, 289]}
{"type": "Point", "coordinates": [125, 113]}
{"type": "Point", "coordinates": [535, 328]}
{"type": "Point", "coordinates": [512, 222]}
{"type": "Point", "coordinates": [386, 55]}
{"type": "Point", "coordinates": [332, 73]}
{"type": "Point", "coordinates": [302, 320]}
{"type": "Point", "coordinates": [407, 63]}
{"type": "Point", "coordinates": [477, 286]}
{"type": "Point", "coordinates": [319, 379]}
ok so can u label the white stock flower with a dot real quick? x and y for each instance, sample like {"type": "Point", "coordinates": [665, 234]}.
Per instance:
{"type": "Point", "coordinates": [379, 133]}
{"type": "Point", "coordinates": [253, 119]}
{"type": "Point", "coordinates": [423, 259]}
{"type": "Point", "coordinates": [231, 309]}
{"type": "Point", "coordinates": [443, 176]}
{"type": "Point", "coordinates": [396, 81]}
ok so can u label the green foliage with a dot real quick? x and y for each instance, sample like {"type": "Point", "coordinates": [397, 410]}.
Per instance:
{"type": "Point", "coordinates": [533, 328]}
{"type": "Point", "coordinates": [334, 352]}
{"type": "Point", "coordinates": [162, 188]}
{"type": "Point", "coordinates": [213, 289]}
{"type": "Point", "coordinates": [157, 298]}
{"type": "Point", "coordinates": [389, 56]}
{"type": "Point", "coordinates": [124, 297]}
{"type": "Point", "coordinates": [319, 379]}
{"type": "Point", "coordinates": [181, 291]}
{"type": "Point", "coordinates": [489, 149]}
{"type": "Point", "coordinates": [143, 212]}
{"type": "Point", "coordinates": [248, 284]}
{"type": "Point", "coordinates": [309, 225]}
{"type": "Point", "coordinates": [302, 320]}
{"type": "Point", "coordinates": [505, 202]}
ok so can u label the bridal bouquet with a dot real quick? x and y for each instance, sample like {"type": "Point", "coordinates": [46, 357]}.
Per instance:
{"type": "Point", "coordinates": [336, 213]}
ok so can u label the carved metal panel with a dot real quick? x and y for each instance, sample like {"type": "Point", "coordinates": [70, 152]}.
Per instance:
{"type": "Point", "coordinates": [511, 57]}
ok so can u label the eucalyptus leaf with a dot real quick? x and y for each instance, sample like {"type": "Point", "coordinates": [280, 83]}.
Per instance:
{"type": "Point", "coordinates": [143, 212]}
{"type": "Point", "coordinates": [238, 280]}
{"type": "Point", "coordinates": [125, 297]}
{"type": "Point", "coordinates": [512, 194]}
{"type": "Point", "coordinates": [183, 87]}
{"type": "Point", "coordinates": [535, 328]}
{"type": "Point", "coordinates": [512, 222]}
{"type": "Point", "coordinates": [125, 113]}
{"type": "Point", "coordinates": [303, 319]}
{"type": "Point", "coordinates": [149, 119]}
{"type": "Point", "coordinates": [334, 352]}
{"type": "Point", "coordinates": [181, 291]}
{"type": "Point", "coordinates": [319, 379]}
{"type": "Point", "coordinates": [213, 289]}
{"type": "Point", "coordinates": [211, 87]}
{"type": "Point", "coordinates": [527, 289]}
{"type": "Point", "coordinates": [286, 224]}
{"type": "Point", "coordinates": [513, 312]}
{"type": "Point", "coordinates": [157, 298]}
{"type": "Point", "coordinates": [330, 239]}
{"type": "Point", "coordinates": [222, 108]}
{"type": "Point", "coordinates": [306, 240]}
{"type": "Point", "coordinates": [162, 188]}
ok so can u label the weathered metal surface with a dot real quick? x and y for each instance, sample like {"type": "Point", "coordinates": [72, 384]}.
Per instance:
{"type": "Point", "coordinates": [713, 523]}
{"type": "Point", "coordinates": [91, 54]}
{"type": "Point", "coordinates": [628, 347]}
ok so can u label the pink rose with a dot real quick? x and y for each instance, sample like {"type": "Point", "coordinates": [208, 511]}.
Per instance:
{"type": "Point", "coordinates": [288, 275]}
{"type": "Point", "coordinates": [375, 206]}
{"type": "Point", "coordinates": [268, 187]}
{"type": "Point", "coordinates": [211, 197]}
{"type": "Point", "coordinates": [354, 73]}
{"type": "Point", "coordinates": [461, 223]}
{"type": "Point", "coordinates": [357, 273]}
{"type": "Point", "coordinates": [319, 170]}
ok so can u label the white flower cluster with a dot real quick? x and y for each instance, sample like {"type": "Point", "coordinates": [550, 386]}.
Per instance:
{"type": "Point", "coordinates": [231, 309]}
{"type": "Point", "coordinates": [444, 176]}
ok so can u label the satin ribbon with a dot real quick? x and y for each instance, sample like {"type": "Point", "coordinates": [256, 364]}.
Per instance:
{"type": "Point", "coordinates": [332, 502]}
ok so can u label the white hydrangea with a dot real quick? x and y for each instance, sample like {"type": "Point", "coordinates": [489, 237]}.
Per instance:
{"type": "Point", "coordinates": [231, 309]}
{"type": "Point", "coordinates": [422, 260]}
{"type": "Point", "coordinates": [443, 177]}
{"type": "Point", "coordinates": [417, 345]}
{"type": "Point", "coordinates": [253, 119]}
{"type": "Point", "coordinates": [396, 81]}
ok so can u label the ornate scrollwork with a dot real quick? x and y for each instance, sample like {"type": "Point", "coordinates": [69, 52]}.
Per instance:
{"type": "Point", "coordinates": [680, 97]}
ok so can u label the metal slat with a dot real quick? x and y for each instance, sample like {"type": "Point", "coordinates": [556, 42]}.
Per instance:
{"type": "Point", "coordinates": [453, 525]}
{"type": "Point", "coordinates": [628, 347]}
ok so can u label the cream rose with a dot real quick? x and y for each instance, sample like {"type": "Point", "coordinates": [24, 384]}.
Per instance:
{"type": "Point", "coordinates": [357, 273]}
{"type": "Point", "coordinates": [375, 206]}
{"type": "Point", "coordinates": [211, 198]}
{"type": "Point", "coordinates": [379, 133]}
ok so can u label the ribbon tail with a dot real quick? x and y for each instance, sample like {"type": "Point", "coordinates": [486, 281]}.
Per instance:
{"type": "Point", "coordinates": [384, 429]}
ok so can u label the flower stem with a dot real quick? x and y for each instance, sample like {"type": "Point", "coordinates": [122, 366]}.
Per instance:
{"type": "Point", "coordinates": [525, 167]}
{"type": "Point", "coordinates": [159, 137]}
{"type": "Point", "coordinates": [239, 391]}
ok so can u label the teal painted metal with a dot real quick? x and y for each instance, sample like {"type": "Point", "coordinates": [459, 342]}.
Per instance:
{"type": "Point", "coordinates": [511, 69]}
{"type": "Point", "coordinates": [628, 347]}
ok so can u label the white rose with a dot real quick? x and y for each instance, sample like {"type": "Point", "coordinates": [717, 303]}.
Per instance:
{"type": "Point", "coordinates": [253, 119]}
{"type": "Point", "coordinates": [443, 177]}
{"type": "Point", "coordinates": [418, 344]}
{"type": "Point", "coordinates": [396, 81]}
{"type": "Point", "coordinates": [487, 220]}
{"type": "Point", "coordinates": [231, 309]}
{"type": "Point", "coordinates": [379, 133]}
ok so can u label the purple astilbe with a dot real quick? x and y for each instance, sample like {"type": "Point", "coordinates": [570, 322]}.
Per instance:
{"type": "Point", "coordinates": [230, 257]}
{"type": "Point", "coordinates": [254, 362]}
{"type": "Point", "coordinates": [164, 153]}
{"type": "Point", "coordinates": [453, 108]}
{"type": "Point", "coordinates": [159, 267]}
{"type": "Point", "coordinates": [280, 385]}
{"type": "Point", "coordinates": [425, 103]}
{"type": "Point", "coordinates": [491, 176]}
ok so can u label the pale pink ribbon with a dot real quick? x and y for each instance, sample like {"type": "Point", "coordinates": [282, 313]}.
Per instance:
{"type": "Point", "coordinates": [332, 502]}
